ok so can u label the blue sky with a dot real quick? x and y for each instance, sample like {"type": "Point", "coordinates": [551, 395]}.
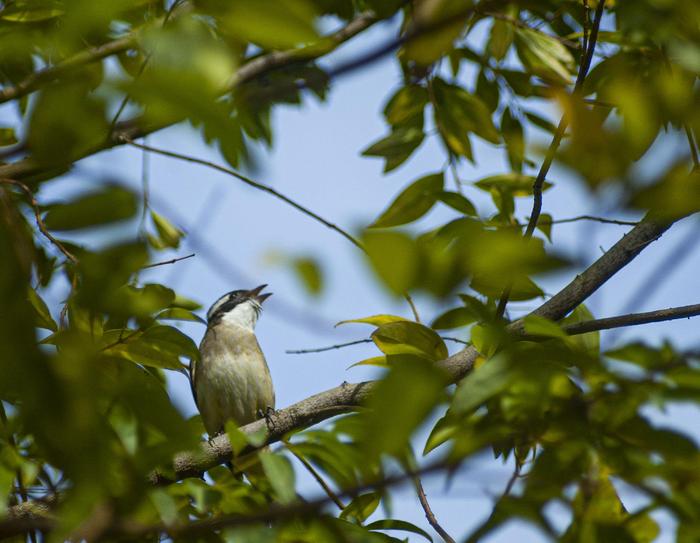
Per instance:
{"type": "Point", "coordinates": [316, 160]}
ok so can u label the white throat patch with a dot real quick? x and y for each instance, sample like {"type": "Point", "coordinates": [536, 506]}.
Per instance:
{"type": "Point", "coordinates": [244, 315]}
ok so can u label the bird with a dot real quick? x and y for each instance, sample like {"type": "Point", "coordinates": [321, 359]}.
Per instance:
{"type": "Point", "coordinates": [231, 379]}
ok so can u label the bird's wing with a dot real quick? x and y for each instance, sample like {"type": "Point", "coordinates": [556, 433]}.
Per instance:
{"type": "Point", "coordinates": [193, 377]}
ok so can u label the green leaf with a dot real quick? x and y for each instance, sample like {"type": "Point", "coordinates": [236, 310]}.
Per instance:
{"type": "Point", "coordinates": [179, 314]}
{"type": "Point", "coordinates": [500, 39]}
{"type": "Point", "coordinates": [396, 147]}
{"type": "Point", "coordinates": [391, 524]}
{"type": "Point", "coordinates": [380, 361]}
{"type": "Point", "coordinates": [466, 111]}
{"type": "Point", "coordinates": [375, 320]}
{"type": "Point", "coordinates": [458, 202]}
{"type": "Point", "coordinates": [159, 346]}
{"type": "Point", "coordinates": [512, 132]}
{"type": "Point", "coordinates": [273, 24]}
{"type": "Point", "coordinates": [7, 136]}
{"type": "Point", "coordinates": [488, 91]}
{"type": "Point", "coordinates": [543, 55]}
{"type": "Point", "coordinates": [309, 272]}
{"type": "Point", "coordinates": [280, 474]}
{"type": "Point", "coordinates": [454, 318]}
{"type": "Point", "coordinates": [414, 202]}
{"type": "Point", "coordinates": [101, 207]}
{"type": "Point", "coordinates": [43, 315]}
{"type": "Point", "coordinates": [544, 225]}
{"type": "Point", "coordinates": [589, 342]}
{"type": "Point", "coordinates": [361, 507]}
{"type": "Point", "coordinates": [539, 326]}
{"type": "Point", "coordinates": [450, 18]}
{"type": "Point", "coordinates": [492, 377]}
{"type": "Point", "coordinates": [387, 430]}
{"type": "Point", "coordinates": [394, 257]}
{"type": "Point", "coordinates": [407, 103]}
{"type": "Point", "coordinates": [407, 337]}
{"type": "Point", "coordinates": [169, 234]}
{"type": "Point", "coordinates": [516, 184]}
{"type": "Point", "coordinates": [444, 430]}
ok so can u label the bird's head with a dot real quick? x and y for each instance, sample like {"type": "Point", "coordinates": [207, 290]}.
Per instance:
{"type": "Point", "coordinates": [240, 307]}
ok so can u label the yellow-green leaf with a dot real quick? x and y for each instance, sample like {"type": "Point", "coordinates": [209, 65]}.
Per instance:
{"type": "Point", "coordinates": [414, 202]}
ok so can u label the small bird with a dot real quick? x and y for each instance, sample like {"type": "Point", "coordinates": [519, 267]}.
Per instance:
{"type": "Point", "coordinates": [231, 381]}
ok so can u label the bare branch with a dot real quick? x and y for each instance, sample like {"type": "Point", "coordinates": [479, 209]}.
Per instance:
{"type": "Point", "coordinates": [538, 184]}
{"type": "Point", "coordinates": [429, 515]}
{"type": "Point", "coordinates": [633, 319]}
{"type": "Point", "coordinates": [166, 262]}
{"type": "Point", "coordinates": [591, 218]}
{"type": "Point", "coordinates": [39, 221]}
{"type": "Point", "coordinates": [33, 81]}
{"type": "Point", "coordinates": [357, 342]}
{"type": "Point", "coordinates": [252, 183]}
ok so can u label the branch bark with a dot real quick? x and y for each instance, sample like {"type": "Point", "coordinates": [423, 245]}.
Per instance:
{"type": "Point", "coordinates": [633, 319]}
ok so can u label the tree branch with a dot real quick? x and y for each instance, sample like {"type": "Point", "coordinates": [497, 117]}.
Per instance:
{"type": "Point", "coordinates": [166, 262]}
{"type": "Point", "coordinates": [349, 396]}
{"type": "Point", "coordinates": [33, 81]}
{"type": "Point", "coordinates": [429, 515]}
{"type": "Point", "coordinates": [356, 342]}
{"type": "Point", "coordinates": [39, 221]}
{"type": "Point", "coordinates": [254, 68]}
{"type": "Point", "coordinates": [633, 319]}
{"type": "Point", "coordinates": [538, 184]}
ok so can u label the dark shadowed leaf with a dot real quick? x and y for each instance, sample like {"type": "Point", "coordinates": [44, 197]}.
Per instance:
{"type": "Point", "coordinates": [280, 474]}
{"type": "Point", "coordinates": [396, 147]}
{"type": "Point", "coordinates": [414, 202]}
{"type": "Point", "coordinates": [361, 507]}
{"type": "Point", "coordinates": [458, 202]}
{"type": "Point", "coordinates": [107, 205]}
{"type": "Point", "coordinates": [387, 429]}
{"type": "Point", "coordinates": [391, 524]}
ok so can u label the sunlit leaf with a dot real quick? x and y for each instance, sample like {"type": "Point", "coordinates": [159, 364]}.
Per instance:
{"type": "Point", "coordinates": [407, 337]}
{"type": "Point", "coordinates": [543, 55]}
{"type": "Point", "coordinates": [408, 102]}
{"type": "Point", "coordinates": [376, 320]}
{"type": "Point", "coordinates": [272, 24]}
{"type": "Point", "coordinates": [394, 257]}
{"type": "Point", "coordinates": [169, 234]}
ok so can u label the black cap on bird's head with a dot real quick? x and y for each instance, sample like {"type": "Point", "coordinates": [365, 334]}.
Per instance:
{"type": "Point", "coordinates": [231, 299]}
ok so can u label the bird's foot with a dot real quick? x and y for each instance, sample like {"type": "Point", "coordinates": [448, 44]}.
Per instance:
{"type": "Point", "coordinates": [267, 415]}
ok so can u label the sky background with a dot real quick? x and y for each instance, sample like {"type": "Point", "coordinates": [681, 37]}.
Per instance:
{"type": "Point", "coordinates": [316, 160]}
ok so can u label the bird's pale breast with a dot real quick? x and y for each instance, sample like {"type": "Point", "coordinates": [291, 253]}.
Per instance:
{"type": "Point", "coordinates": [232, 380]}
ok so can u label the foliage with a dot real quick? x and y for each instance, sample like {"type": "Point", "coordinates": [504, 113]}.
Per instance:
{"type": "Point", "coordinates": [85, 415]}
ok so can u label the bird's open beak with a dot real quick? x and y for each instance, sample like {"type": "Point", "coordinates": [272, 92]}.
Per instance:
{"type": "Point", "coordinates": [255, 294]}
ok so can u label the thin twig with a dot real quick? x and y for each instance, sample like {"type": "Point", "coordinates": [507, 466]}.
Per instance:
{"type": "Point", "coordinates": [39, 220]}
{"type": "Point", "coordinates": [429, 515]}
{"type": "Point", "coordinates": [357, 342]}
{"type": "Point", "coordinates": [166, 262]}
{"type": "Point", "coordinates": [538, 184]}
{"type": "Point", "coordinates": [317, 476]}
{"type": "Point", "coordinates": [412, 305]}
{"type": "Point", "coordinates": [250, 182]}
{"type": "Point", "coordinates": [693, 144]}
{"type": "Point", "coordinates": [633, 319]}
